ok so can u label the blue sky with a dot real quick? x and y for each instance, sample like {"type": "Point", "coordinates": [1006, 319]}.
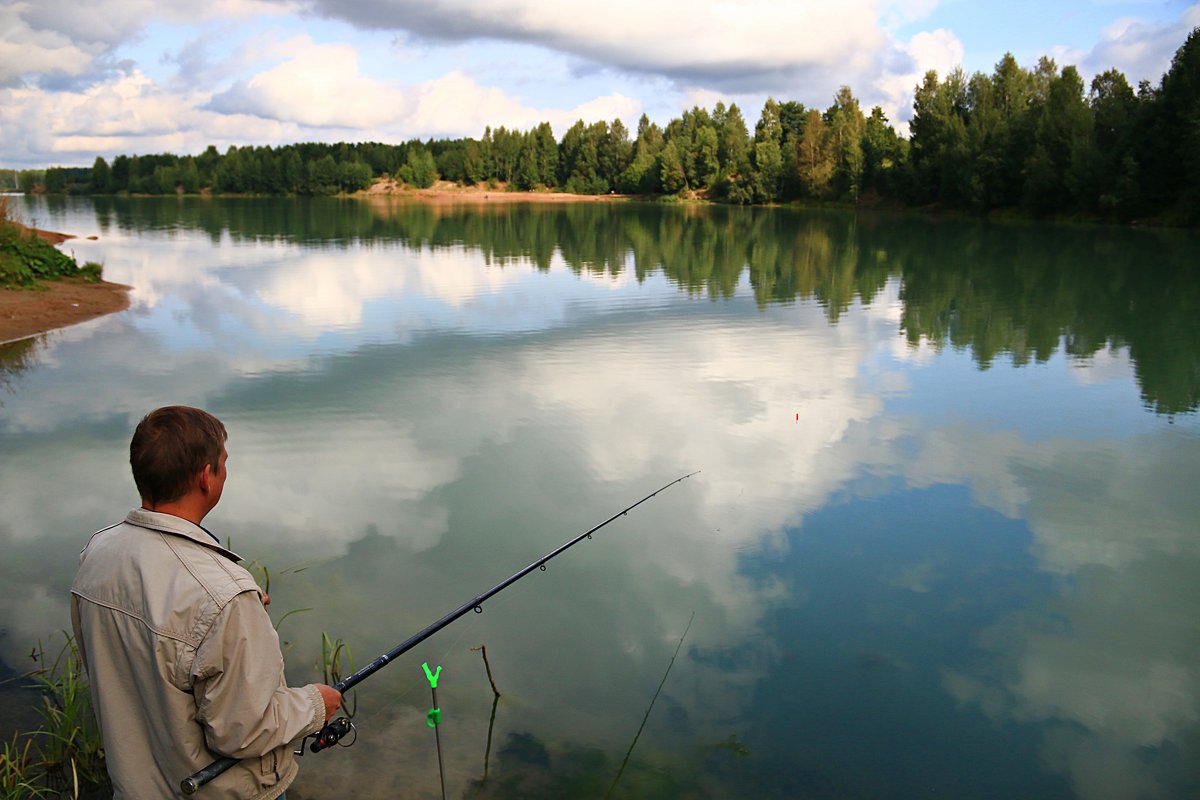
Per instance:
{"type": "Point", "coordinates": [140, 76]}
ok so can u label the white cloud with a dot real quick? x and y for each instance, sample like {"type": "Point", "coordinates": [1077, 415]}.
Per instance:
{"type": "Point", "coordinates": [457, 105]}
{"type": "Point", "coordinates": [1139, 49]}
{"type": "Point", "coordinates": [939, 50]}
{"type": "Point", "coordinates": [24, 49]}
{"type": "Point", "coordinates": [128, 114]}
{"type": "Point", "coordinates": [116, 21]}
{"type": "Point", "coordinates": [901, 12]}
{"type": "Point", "coordinates": [318, 94]}
{"type": "Point", "coordinates": [320, 86]}
{"type": "Point", "coordinates": [693, 42]}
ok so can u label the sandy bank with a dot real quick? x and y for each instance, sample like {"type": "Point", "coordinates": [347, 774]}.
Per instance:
{"type": "Point", "coordinates": [57, 304]}
{"type": "Point", "coordinates": [445, 192]}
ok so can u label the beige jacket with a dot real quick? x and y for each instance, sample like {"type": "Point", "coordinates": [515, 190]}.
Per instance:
{"type": "Point", "coordinates": [184, 664]}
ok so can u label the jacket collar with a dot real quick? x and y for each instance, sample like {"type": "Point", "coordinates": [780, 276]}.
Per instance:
{"type": "Point", "coordinates": [169, 523]}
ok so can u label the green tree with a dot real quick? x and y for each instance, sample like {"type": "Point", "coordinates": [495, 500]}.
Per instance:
{"type": "Point", "coordinates": [579, 158]}
{"type": "Point", "coordinates": [734, 144]}
{"type": "Point", "coordinates": [1113, 107]}
{"type": "Point", "coordinates": [672, 177]}
{"type": "Point", "coordinates": [941, 156]}
{"type": "Point", "coordinates": [56, 180]}
{"type": "Point", "coordinates": [1065, 170]}
{"type": "Point", "coordinates": [641, 176]}
{"type": "Point", "coordinates": [815, 157]}
{"type": "Point", "coordinates": [546, 154]}
{"type": "Point", "coordinates": [768, 153]}
{"type": "Point", "coordinates": [616, 152]}
{"type": "Point", "coordinates": [206, 164]}
{"type": "Point", "coordinates": [883, 154]}
{"type": "Point", "coordinates": [120, 174]}
{"type": "Point", "coordinates": [846, 125]}
{"type": "Point", "coordinates": [1178, 117]}
{"type": "Point", "coordinates": [421, 171]}
{"type": "Point", "coordinates": [506, 147]}
{"type": "Point", "coordinates": [354, 175]}
{"type": "Point", "coordinates": [525, 174]}
{"type": "Point", "coordinates": [188, 175]}
{"type": "Point", "coordinates": [322, 175]}
{"type": "Point", "coordinates": [1013, 97]}
{"type": "Point", "coordinates": [101, 177]}
{"type": "Point", "coordinates": [474, 169]}
{"type": "Point", "coordinates": [291, 171]}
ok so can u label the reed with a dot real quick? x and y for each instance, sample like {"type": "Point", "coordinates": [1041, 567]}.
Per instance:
{"type": "Point", "coordinates": [64, 756]}
{"type": "Point", "coordinates": [331, 667]}
{"type": "Point", "coordinates": [20, 770]}
{"type": "Point", "coordinates": [69, 741]}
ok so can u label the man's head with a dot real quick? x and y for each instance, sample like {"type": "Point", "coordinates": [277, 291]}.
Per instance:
{"type": "Point", "coordinates": [176, 450]}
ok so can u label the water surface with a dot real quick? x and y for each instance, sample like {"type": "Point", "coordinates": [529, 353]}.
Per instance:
{"type": "Point", "coordinates": [944, 541]}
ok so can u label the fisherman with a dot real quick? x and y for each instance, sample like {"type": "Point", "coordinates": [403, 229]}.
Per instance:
{"type": "Point", "coordinates": [183, 661]}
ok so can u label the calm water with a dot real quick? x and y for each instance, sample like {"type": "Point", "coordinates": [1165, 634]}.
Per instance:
{"type": "Point", "coordinates": [946, 540]}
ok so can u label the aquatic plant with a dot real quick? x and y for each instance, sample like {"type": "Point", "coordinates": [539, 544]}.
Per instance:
{"type": "Point", "coordinates": [64, 756]}
{"type": "Point", "coordinates": [69, 742]}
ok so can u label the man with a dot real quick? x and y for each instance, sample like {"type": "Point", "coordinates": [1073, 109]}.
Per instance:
{"type": "Point", "coordinates": [183, 661]}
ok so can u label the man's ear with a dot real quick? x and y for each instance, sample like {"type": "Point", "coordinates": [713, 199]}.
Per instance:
{"type": "Point", "coordinates": [204, 479]}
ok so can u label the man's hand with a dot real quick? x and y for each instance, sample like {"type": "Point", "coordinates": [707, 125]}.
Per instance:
{"type": "Point", "coordinates": [332, 698]}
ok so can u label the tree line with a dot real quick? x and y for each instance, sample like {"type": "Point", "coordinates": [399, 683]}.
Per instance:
{"type": "Point", "coordinates": [1031, 140]}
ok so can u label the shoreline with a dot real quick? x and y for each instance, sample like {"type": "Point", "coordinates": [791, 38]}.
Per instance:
{"type": "Point", "coordinates": [53, 305]}
{"type": "Point", "coordinates": [444, 192]}
{"type": "Point", "coordinates": [49, 305]}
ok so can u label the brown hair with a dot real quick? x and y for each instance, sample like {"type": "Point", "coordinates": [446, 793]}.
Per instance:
{"type": "Point", "coordinates": [170, 446]}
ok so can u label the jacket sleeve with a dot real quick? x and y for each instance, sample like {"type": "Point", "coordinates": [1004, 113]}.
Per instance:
{"type": "Point", "coordinates": [242, 699]}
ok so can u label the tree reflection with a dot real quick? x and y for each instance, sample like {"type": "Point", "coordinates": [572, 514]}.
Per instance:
{"type": "Point", "coordinates": [15, 359]}
{"type": "Point", "coordinates": [1022, 291]}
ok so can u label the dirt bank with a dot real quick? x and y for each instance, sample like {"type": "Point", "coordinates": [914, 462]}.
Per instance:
{"type": "Point", "coordinates": [57, 304]}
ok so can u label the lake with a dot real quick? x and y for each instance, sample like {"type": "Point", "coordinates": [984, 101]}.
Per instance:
{"type": "Point", "coordinates": [944, 541]}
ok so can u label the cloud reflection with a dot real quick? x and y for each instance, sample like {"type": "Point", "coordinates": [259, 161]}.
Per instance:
{"type": "Point", "coordinates": [356, 403]}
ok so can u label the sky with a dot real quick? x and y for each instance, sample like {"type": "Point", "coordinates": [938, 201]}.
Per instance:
{"type": "Point", "coordinates": [106, 77]}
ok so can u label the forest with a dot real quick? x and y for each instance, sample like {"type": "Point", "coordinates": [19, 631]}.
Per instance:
{"type": "Point", "coordinates": [1033, 141]}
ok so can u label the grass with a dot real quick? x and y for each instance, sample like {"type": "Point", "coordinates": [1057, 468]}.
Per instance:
{"type": "Point", "coordinates": [26, 261]}
{"type": "Point", "coordinates": [331, 667]}
{"type": "Point", "coordinates": [64, 756]}
{"type": "Point", "coordinates": [70, 737]}
{"type": "Point", "coordinates": [19, 772]}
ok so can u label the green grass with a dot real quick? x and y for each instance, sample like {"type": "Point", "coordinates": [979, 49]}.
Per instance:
{"type": "Point", "coordinates": [26, 261]}
{"type": "Point", "coordinates": [64, 756]}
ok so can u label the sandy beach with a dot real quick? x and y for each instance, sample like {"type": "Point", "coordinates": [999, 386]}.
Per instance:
{"type": "Point", "coordinates": [445, 193]}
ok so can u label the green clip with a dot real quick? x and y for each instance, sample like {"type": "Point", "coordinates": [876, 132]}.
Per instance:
{"type": "Point", "coordinates": [432, 676]}
{"type": "Point", "coordinates": [433, 717]}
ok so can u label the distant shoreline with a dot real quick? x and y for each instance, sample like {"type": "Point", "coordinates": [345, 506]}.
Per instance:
{"type": "Point", "coordinates": [446, 192]}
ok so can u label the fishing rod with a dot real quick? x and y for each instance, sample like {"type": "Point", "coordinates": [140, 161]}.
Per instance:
{"type": "Point", "coordinates": [335, 729]}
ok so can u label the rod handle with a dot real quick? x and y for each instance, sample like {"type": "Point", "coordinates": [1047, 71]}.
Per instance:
{"type": "Point", "coordinates": [192, 783]}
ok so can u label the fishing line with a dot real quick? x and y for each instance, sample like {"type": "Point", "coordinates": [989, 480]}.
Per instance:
{"type": "Point", "coordinates": [662, 683]}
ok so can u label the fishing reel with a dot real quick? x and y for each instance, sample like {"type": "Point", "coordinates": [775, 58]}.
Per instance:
{"type": "Point", "coordinates": [330, 735]}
